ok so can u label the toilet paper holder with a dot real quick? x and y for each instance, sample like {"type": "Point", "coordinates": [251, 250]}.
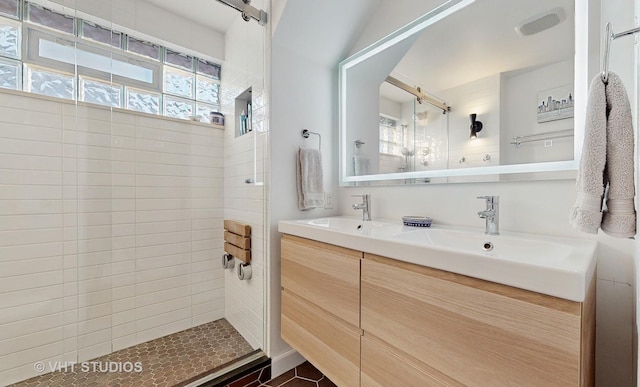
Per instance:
{"type": "Point", "coordinates": [244, 271]}
{"type": "Point", "coordinates": [228, 261]}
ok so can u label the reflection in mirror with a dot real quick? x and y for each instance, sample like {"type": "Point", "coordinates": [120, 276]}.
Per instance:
{"type": "Point", "coordinates": [407, 102]}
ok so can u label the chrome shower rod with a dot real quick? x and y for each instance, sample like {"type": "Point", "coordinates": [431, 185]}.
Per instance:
{"type": "Point", "coordinates": [418, 93]}
{"type": "Point", "coordinates": [248, 11]}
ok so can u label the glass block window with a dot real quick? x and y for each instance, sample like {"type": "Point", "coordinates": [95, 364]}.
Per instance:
{"type": "Point", "coordinates": [178, 82]}
{"type": "Point", "coordinates": [177, 59]}
{"type": "Point", "coordinates": [10, 74]}
{"type": "Point", "coordinates": [10, 38]}
{"type": "Point", "coordinates": [207, 90]}
{"type": "Point", "coordinates": [51, 83]}
{"type": "Point", "coordinates": [208, 68]}
{"type": "Point", "coordinates": [142, 101]}
{"type": "Point", "coordinates": [48, 18]}
{"type": "Point", "coordinates": [204, 111]}
{"type": "Point", "coordinates": [51, 53]}
{"type": "Point", "coordinates": [143, 48]}
{"type": "Point", "coordinates": [177, 107]}
{"type": "Point", "coordinates": [10, 8]}
{"type": "Point", "coordinates": [100, 93]}
{"type": "Point", "coordinates": [101, 34]}
{"type": "Point", "coordinates": [390, 136]}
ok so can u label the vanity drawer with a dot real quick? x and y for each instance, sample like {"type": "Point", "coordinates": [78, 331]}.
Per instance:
{"type": "Point", "coordinates": [474, 331]}
{"type": "Point", "coordinates": [383, 365]}
{"type": "Point", "coordinates": [326, 275]}
{"type": "Point", "coordinates": [329, 343]}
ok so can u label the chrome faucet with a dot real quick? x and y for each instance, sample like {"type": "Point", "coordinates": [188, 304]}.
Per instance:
{"type": "Point", "coordinates": [365, 206]}
{"type": "Point", "coordinates": [490, 215]}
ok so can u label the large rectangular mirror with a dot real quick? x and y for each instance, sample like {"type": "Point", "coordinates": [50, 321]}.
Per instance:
{"type": "Point", "coordinates": [513, 74]}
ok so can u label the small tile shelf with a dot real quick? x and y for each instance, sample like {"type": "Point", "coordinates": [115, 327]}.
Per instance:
{"type": "Point", "coordinates": [243, 113]}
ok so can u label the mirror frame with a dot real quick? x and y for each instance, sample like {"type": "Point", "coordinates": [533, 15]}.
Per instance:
{"type": "Point", "coordinates": [581, 83]}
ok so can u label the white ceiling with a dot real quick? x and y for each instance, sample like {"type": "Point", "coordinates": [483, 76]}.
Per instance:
{"type": "Point", "coordinates": [324, 30]}
{"type": "Point", "coordinates": [480, 40]}
{"type": "Point", "coordinates": [209, 13]}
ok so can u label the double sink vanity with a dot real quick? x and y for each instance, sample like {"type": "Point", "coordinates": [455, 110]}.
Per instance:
{"type": "Point", "coordinates": [377, 303]}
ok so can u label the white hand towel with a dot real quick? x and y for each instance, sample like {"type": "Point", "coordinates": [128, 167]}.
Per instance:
{"type": "Point", "coordinates": [619, 218]}
{"type": "Point", "coordinates": [586, 215]}
{"type": "Point", "coordinates": [360, 165]}
{"type": "Point", "coordinates": [607, 160]}
{"type": "Point", "coordinates": [309, 179]}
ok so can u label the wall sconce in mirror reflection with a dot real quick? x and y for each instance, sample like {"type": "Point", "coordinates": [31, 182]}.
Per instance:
{"type": "Point", "coordinates": [475, 127]}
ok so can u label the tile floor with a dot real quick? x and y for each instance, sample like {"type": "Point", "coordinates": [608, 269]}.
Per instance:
{"type": "Point", "coordinates": [254, 379]}
{"type": "Point", "coordinates": [172, 360]}
{"type": "Point", "coordinates": [304, 375]}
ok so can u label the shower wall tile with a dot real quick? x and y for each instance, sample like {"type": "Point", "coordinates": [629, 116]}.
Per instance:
{"type": "Point", "coordinates": [244, 158]}
{"type": "Point", "coordinates": [123, 168]}
{"type": "Point", "coordinates": [110, 230]}
{"type": "Point", "coordinates": [31, 237]}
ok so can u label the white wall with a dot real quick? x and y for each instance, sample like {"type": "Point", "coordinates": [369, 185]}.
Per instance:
{"type": "Point", "coordinates": [520, 118]}
{"type": "Point", "coordinates": [483, 98]}
{"type": "Point", "coordinates": [535, 206]}
{"type": "Point", "coordinates": [390, 108]}
{"type": "Point", "coordinates": [362, 96]}
{"type": "Point", "coordinates": [293, 109]}
{"type": "Point", "coordinates": [624, 61]}
{"type": "Point", "coordinates": [307, 44]}
{"type": "Point", "coordinates": [110, 226]}
{"type": "Point", "coordinates": [244, 158]}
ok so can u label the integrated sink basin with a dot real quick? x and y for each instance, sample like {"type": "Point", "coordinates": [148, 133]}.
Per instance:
{"type": "Point", "coordinates": [535, 251]}
{"type": "Point", "coordinates": [354, 226]}
{"type": "Point", "coordinates": [561, 267]}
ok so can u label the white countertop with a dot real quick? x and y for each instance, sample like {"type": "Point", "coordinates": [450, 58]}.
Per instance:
{"type": "Point", "coordinates": [560, 267]}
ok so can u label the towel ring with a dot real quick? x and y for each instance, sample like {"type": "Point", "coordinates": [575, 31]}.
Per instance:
{"type": "Point", "coordinates": [307, 132]}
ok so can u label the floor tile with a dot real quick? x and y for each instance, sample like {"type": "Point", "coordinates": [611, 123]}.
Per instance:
{"type": "Point", "coordinates": [304, 375]}
{"type": "Point", "coordinates": [168, 361]}
{"type": "Point", "coordinates": [278, 381]}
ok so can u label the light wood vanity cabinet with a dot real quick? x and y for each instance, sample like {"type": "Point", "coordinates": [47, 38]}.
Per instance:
{"type": "Point", "coordinates": [457, 330]}
{"type": "Point", "coordinates": [427, 327]}
{"type": "Point", "coordinates": [321, 306]}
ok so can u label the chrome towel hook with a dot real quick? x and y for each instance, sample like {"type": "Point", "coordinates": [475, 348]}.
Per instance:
{"type": "Point", "coordinates": [609, 37]}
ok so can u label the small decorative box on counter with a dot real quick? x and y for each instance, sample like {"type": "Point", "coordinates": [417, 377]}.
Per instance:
{"type": "Point", "coordinates": [417, 221]}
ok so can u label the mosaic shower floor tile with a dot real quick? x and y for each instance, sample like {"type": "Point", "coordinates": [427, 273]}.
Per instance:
{"type": "Point", "coordinates": [173, 360]}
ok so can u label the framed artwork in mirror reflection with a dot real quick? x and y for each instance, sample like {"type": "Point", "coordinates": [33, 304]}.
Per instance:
{"type": "Point", "coordinates": [555, 104]}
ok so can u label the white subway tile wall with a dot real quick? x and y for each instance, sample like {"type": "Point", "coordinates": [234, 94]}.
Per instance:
{"type": "Point", "coordinates": [110, 230]}
{"type": "Point", "coordinates": [244, 158]}
{"type": "Point", "coordinates": [245, 203]}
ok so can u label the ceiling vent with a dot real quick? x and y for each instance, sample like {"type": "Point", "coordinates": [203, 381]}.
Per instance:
{"type": "Point", "coordinates": [541, 22]}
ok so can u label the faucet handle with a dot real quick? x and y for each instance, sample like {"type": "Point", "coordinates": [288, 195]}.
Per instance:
{"type": "Point", "coordinates": [489, 198]}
